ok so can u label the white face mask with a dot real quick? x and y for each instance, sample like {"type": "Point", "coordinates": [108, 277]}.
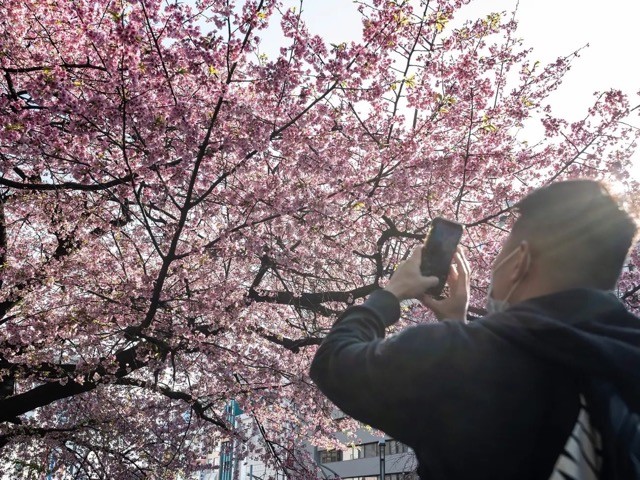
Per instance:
{"type": "Point", "coordinates": [493, 305]}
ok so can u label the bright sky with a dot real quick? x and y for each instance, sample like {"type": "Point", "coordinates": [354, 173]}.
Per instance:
{"type": "Point", "coordinates": [552, 28]}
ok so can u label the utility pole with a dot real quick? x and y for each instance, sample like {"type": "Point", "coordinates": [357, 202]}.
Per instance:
{"type": "Point", "coordinates": [381, 448]}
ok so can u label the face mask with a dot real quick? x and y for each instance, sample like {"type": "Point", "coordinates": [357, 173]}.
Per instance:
{"type": "Point", "coordinates": [493, 305]}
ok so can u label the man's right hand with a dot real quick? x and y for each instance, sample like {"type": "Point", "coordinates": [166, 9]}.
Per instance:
{"type": "Point", "coordinates": [454, 307]}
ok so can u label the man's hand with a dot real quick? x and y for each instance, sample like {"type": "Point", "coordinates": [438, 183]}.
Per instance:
{"type": "Point", "coordinates": [454, 307]}
{"type": "Point", "coordinates": [407, 281]}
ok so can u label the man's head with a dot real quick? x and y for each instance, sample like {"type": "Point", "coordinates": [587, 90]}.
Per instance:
{"type": "Point", "coordinates": [569, 234]}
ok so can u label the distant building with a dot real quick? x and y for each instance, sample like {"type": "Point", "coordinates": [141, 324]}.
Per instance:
{"type": "Point", "coordinates": [364, 460]}
{"type": "Point", "coordinates": [208, 467]}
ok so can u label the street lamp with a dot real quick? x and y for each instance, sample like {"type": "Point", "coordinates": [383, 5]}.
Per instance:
{"type": "Point", "coordinates": [381, 446]}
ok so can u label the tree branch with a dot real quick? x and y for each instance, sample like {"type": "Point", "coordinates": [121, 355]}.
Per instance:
{"type": "Point", "coordinates": [66, 185]}
{"type": "Point", "coordinates": [13, 407]}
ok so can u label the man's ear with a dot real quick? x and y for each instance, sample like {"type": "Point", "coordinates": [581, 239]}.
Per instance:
{"type": "Point", "coordinates": [522, 264]}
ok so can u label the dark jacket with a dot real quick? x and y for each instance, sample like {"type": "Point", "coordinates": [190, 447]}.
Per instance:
{"type": "Point", "coordinates": [493, 399]}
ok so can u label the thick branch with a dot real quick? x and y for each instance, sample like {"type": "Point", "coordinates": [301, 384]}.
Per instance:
{"type": "Point", "coordinates": [312, 301]}
{"type": "Point", "coordinates": [42, 395]}
{"type": "Point", "coordinates": [198, 407]}
{"type": "Point", "coordinates": [3, 236]}
{"type": "Point", "coordinates": [289, 344]}
{"type": "Point", "coordinates": [66, 185]}
{"type": "Point", "coordinates": [39, 68]}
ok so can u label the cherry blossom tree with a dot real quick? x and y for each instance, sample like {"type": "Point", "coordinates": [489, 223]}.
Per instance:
{"type": "Point", "coordinates": [183, 216]}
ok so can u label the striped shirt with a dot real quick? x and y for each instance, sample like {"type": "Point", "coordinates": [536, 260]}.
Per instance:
{"type": "Point", "coordinates": [581, 458]}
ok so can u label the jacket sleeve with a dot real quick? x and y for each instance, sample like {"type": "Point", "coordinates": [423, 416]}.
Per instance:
{"type": "Point", "coordinates": [385, 383]}
{"type": "Point", "coordinates": [453, 390]}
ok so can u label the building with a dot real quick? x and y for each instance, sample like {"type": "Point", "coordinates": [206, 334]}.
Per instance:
{"type": "Point", "coordinates": [367, 459]}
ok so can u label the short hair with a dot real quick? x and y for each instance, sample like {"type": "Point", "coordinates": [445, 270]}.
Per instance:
{"type": "Point", "coordinates": [579, 230]}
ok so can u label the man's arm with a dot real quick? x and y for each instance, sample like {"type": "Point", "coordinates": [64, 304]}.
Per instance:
{"type": "Point", "coordinates": [385, 383]}
{"type": "Point", "coordinates": [379, 382]}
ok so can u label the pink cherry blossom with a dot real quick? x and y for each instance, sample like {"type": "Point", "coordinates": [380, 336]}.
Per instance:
{"type": "Point", "coordinates": [181, 217]}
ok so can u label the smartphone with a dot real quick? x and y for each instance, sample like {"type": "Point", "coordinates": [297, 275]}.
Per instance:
{"type": "Point", "coordinates": [437, 252]}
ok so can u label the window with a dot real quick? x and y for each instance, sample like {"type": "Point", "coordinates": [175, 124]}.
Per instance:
{"type": "Point", "coordinates": [353, 452]}
{"type": "Point", "coordinates": [401, 476]}
{"type": "Point", "coordinates": [388, 476]}
{"type": "Point", "coordinates": [365, 450]}
{"type": "Point", "coordinates": [393, 447]}
{"type": "Point", "coordinates": [370, 450]}
{"type": "Point", "coordinates": [329, 456]}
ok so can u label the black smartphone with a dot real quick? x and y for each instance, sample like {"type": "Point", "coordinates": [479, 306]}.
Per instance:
{"type": "Point", "coordinates": [437, 252]}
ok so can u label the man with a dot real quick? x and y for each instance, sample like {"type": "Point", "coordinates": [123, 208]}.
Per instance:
{"type": "Point", "coordinates": [508, 395]}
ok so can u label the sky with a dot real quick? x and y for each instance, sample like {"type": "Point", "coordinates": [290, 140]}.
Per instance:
{"type": "Point", "coordinates": [553, 28]}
